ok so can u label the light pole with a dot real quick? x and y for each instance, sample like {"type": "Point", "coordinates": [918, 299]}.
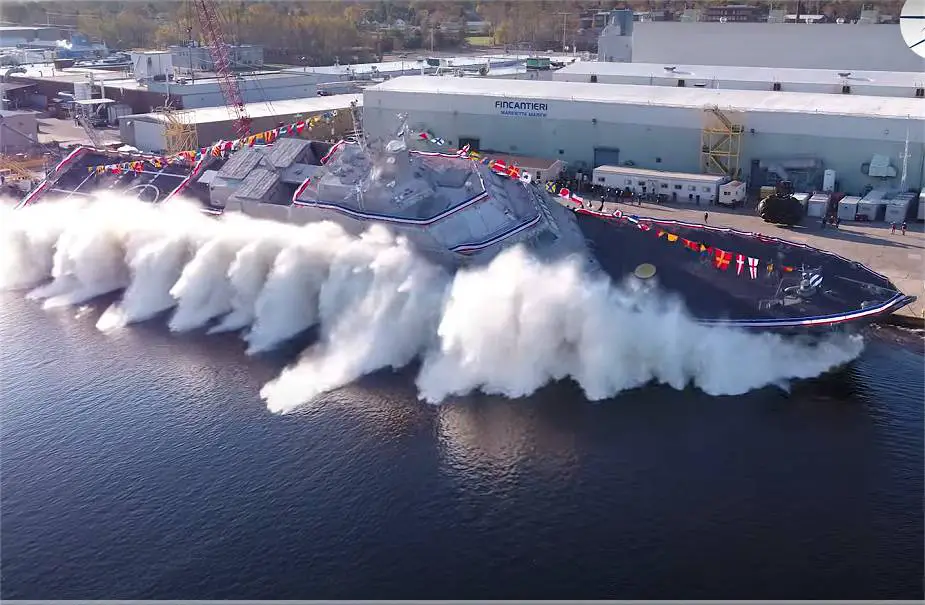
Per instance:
{"type": "Point", "coordinates": [564, 22]}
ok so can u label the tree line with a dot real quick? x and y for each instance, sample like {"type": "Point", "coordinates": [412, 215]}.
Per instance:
{"type": "Point", "coordinates": [314, 33]}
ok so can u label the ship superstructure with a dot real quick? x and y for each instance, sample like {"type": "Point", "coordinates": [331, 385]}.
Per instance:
{"type": "Point", "coordinates": [452, 208]}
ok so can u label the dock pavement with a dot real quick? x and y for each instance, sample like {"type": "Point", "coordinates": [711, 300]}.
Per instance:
{"type": "Point", "coordinates": [899, 257]}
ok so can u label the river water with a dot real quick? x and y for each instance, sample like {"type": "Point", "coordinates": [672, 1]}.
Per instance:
{"type": "Point", "coordinates": [141, 464]}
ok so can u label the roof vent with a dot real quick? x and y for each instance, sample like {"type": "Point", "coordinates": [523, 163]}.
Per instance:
{"type": "Point", "coordinates": [844, 74]}
{"type": "Point", "coordinates": [671, 69]}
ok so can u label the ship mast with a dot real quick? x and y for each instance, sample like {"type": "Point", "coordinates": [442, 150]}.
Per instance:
{"type": "Point", "coordinates": [902, 180]}
{"type": "Point", "coordinates": [403, 128]}
{"type": "Point", "coordinates": [357, 125]}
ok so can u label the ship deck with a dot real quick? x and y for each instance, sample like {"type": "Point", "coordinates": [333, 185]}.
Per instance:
{"type": "Point", "coordinates": [77, 179]}
{"type": "Point", "coordinates": [891, 261]}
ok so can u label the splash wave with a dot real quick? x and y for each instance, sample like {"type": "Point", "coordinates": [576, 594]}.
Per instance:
{"type": "Point", "coordinates": [506, 328]}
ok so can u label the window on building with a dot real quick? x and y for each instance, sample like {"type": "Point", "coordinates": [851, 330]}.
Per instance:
{"type": "Point", "coordinates": [706, 190]}
{"type": "Point", "coordinates": [664, 185]}
{"type": "Point", "coordinates": [692, 187]}
{"type": "Point", "coordinates": [629, 182]}
{"type": "Point", "coordinates": [678, 187]}
{"type": "Point", "coordinates": [601, 179]}
{"type": "Point", "coordinates": [641, 183]}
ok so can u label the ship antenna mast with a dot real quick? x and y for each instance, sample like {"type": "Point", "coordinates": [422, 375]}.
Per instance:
{"type": "Point", "coordinates": [902, 180]}
{"type": "Point", "coordinates": [357, 125]}
{"type": "Point", "coordinates": [403, 128]}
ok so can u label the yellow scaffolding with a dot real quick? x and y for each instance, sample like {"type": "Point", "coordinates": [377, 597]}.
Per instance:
{"type": "Point", "coordinates": [13, 170]}
{"type": "Point", "coordinates": [179, 135]}
{"type": "Point", "coordinates": [720, 143]}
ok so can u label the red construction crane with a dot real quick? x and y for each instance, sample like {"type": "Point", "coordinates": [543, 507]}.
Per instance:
{"type": "Point", "coordinates": [215, 40]}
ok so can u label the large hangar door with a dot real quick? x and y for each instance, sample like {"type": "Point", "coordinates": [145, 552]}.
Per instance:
{"type": "Point", "coordinates": [606, 156]}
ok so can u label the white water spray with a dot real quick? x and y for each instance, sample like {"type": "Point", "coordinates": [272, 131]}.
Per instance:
{"type": "Point", "coordinates": [506, 328]}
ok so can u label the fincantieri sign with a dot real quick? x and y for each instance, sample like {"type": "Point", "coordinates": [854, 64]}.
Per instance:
{"type": "Point", "coordinates": [527, 109]}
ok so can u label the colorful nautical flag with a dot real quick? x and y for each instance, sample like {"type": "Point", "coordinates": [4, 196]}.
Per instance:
{"type": "Point", "coordinates": [740, 263]}
{"type": "Point", "coordinates": [753, 267]}
{"type": "Point", "coordinates": [721, 259]}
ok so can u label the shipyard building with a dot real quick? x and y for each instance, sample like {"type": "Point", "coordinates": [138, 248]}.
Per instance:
{"type": "Point", "coordinates": [772, 79]}
{"type": "Point", "coordinates": [150, 132]}
{"type": "Point", "coordinates": [829, 46]}
{"type": "Point", "coordinates": [756, 136]}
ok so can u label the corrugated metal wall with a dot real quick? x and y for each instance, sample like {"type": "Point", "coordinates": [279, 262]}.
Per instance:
{"type": "Point", "coordinates": [651, 137]}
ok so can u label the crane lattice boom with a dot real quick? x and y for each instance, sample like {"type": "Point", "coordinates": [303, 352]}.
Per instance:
{"type": "Point", "coordinates": [215, 39]}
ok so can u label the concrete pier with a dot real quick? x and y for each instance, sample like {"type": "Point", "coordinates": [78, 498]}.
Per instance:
{"type": "Point", "coordinates": [899, 257]}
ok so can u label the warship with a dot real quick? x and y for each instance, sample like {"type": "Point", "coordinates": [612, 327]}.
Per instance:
{"type": "Point", "coordinates": [459, 212]}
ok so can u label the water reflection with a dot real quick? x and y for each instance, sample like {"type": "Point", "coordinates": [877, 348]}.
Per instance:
{"type": "Point", "coordinates": [495, 440]}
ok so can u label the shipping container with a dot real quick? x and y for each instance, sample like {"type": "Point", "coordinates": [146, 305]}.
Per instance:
{"type": "Point", "coordinates": [872, 206]}
{"type": "Point", "coordinates": [116, 111]}
{"type": "Point", "coordinates": [900, 208]}
{"type": "Point", "coordinates": [848, 208]}
{"type": "Point", "coordinates": [818, 205]}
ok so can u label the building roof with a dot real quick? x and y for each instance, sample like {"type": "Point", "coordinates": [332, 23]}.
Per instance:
{"type": "Point", "coordinates": [10, 87]}
{"type": "Point", "coordinates": [411, 65]}
{"type": "Point", "coordinates": [207, 115]}
{"type": "Point", "coordinates": [659, 174]}
{"type": "Point", "coordinates": [662, 96]}
{"type": "Point", "coordinates": [707, 73]}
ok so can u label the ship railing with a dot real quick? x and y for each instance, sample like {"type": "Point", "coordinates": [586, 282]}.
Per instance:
{"type": "Point", "coordinates": [869, 286]}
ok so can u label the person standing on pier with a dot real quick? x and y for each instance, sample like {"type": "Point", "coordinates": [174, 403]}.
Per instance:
{"type": "Point", "coordinates": [904, 227]}
{"type": "Point", "coordinates": [892, 228]}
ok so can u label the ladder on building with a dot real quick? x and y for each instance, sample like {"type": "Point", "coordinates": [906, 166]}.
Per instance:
{"type": "Point", "coordinates": [720, 144]}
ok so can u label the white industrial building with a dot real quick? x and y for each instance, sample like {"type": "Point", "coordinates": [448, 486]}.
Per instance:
{"type": "Point", "coordinates": [418, 66]}
{"type": "Point", "coordinates": [147, 132]}
{"type": "Point", "coordinates": [199, 58]}
{"type": "Point", "coordinates": [676, 186]}
{"type": "Point", "coordinates": [615, 43]}
{"type": "Point", "coordinates": [193, 93]}
{"type": "Point", "coordinates": [842, 47]}
{"type": "Point", "coordinates": [795, 136]}
{"type": "Point", "coordinates": [18, 131]}
{"type": "Point", "coordinates": [785, 79]}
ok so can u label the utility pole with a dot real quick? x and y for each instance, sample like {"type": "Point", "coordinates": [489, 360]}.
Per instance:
{"type": "Point", "coordinates": [564, 24]}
